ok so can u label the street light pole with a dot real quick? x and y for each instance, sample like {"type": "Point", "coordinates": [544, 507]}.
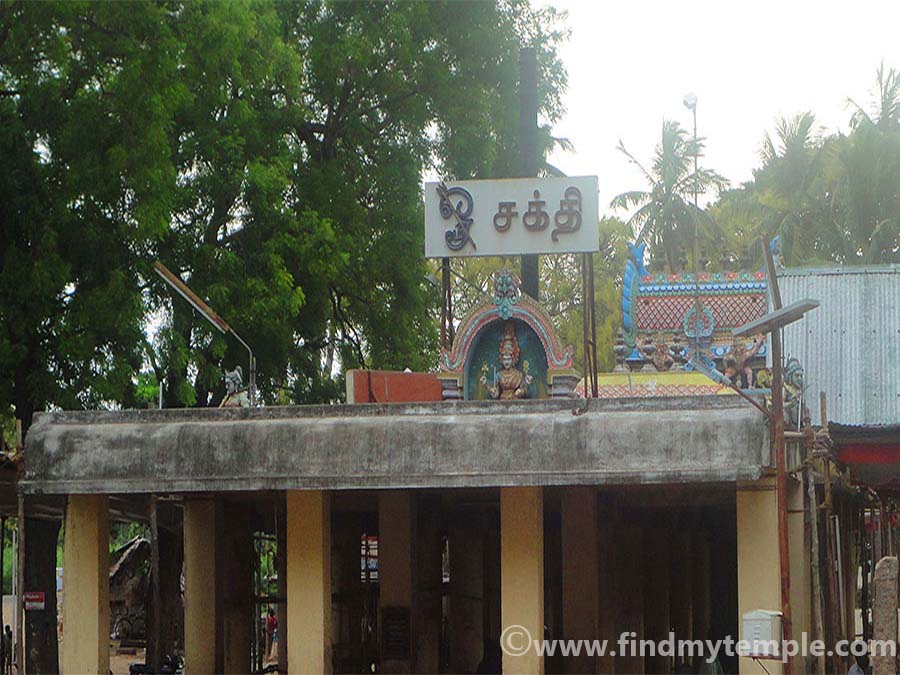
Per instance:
{"type": "Point", "coordinates": [210, 315]}
{"type": "Point", "coordinates": [690, 102]}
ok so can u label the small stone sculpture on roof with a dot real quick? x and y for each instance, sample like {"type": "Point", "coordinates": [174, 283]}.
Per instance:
{"type": "Point", "coordinates": [235, 393]}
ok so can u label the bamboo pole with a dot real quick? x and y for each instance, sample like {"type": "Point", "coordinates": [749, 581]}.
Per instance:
{"type": "Point", "coordinates": [812, 512]}
{"type": "Point", "coordinates": [780, 463]}
{"type": "Point", "coordinates": [832, 609]}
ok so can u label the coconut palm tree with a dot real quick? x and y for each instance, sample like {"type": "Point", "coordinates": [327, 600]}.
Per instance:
{"type": "Point", "coordinates": [886, 114]}
{"type": "Point", "coordinates": [666, 216]}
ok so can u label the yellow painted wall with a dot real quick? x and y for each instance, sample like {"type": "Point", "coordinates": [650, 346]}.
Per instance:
{"type": "Point", "coordinates": [85, 647]}
{"type": "Point", "coordinates": [759, 580]}
{"type": "Point", "coordinates": [200, 572]}
{"type": "Point", "coordinates": [668, 377]}
{"type": "Point", "coordinates": [522, 572]}
{"type": "Point", "coordinates": [309, 581]}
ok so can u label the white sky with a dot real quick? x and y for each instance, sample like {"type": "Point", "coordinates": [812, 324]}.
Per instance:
{"type": "Point", "coordinates": [630, 63]}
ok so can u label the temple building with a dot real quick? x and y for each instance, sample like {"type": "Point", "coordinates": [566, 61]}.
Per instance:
{"type": "Point", "coordinates": [421, 522]}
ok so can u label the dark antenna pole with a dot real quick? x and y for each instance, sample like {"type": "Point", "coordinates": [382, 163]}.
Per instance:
{"type": "Point", "coordinates": [529, 154]}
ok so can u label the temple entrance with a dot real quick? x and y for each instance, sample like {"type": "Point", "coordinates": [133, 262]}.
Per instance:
{"type": "Point", "coordinates": [416, 581]}
{"type": "Point", "coordinates": [667, 564]}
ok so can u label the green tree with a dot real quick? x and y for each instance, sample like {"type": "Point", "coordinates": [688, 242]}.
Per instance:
{"type": "Point", "coordinates": [561, 289]}
{"type": "Point", "coordinates": [269, 152]}
{"type": "Point", "coordinates": [665, 215]}
{"type": "Point", "coordinates": [305, 230]}
{"type": "Point", "coordinates": [782, 199]}
{"type": "Point", "coordinates": [831, 199]}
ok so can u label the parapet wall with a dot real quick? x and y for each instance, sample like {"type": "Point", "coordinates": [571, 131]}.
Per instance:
{"type": "Point", "coordinates": [449, 444]}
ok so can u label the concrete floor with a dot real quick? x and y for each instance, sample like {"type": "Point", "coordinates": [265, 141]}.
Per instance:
{"type": "Point", "coordinates": [118, 663]}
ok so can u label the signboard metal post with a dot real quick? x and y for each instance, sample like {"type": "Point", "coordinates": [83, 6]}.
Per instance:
{"type": "Point", "coordinates": [529, 155]}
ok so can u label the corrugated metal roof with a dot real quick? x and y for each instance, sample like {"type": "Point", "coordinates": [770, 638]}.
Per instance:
{"type": "Point", "coordinates": [849, 346]}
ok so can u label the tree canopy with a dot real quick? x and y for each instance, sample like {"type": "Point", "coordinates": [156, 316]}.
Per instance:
{"type": "Point", "coordinates": [831, 198]}
{"type": "Point", "coordinates": [665, 215]}
{"type": "Point", "coordinates": [270, 153]}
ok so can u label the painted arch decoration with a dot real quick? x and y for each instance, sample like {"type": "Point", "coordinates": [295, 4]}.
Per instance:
{"type": "Point", "coordinates": [507, 348]}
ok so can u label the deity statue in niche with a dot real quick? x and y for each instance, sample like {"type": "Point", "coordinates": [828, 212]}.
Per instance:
{"type": "Point", "coordinates": [509, 382]}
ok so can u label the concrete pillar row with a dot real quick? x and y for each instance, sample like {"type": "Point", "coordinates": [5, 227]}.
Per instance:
{"type": "Point", "coordinates": [200, 597]}
{"type": "Point", "coordinates": [86, 585]}
{"type": "Point", "coordinates": [309, 581]}
{"type": "Point", "coordinates": [522, 577]}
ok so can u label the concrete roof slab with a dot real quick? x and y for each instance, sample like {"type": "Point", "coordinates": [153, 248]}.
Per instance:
{"type": "Point", "coordinates": [450, 444]}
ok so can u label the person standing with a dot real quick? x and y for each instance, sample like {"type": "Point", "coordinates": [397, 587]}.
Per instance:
{"type": "Point", "coordinates": [7, 650]}
{"type": "Point", "coordinates": [271, 634]}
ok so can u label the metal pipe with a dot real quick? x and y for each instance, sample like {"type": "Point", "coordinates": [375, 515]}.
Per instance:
{"type": "Point", "coordinates": [252, 386]}
{"type": "Point", "coordinates": [20, 586]}
{"type": "Point", "coordinates": [530, 155]}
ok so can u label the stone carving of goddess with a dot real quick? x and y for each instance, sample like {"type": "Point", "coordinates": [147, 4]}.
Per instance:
{"type": "Point", "coordinates": [510, 382]}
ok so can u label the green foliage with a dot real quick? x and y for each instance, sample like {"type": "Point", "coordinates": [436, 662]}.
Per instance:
{"type": "Point", "coordinates": [562, 293]}
{"type": "Point", "coordinates": [665, 215]}
{"type": "Point", "coordinates": [831, 199]}
{"type": "Point", "coordinates": [270, 153]}
{"type": "Point", "coordinates": [561, 289]}
{"type": "Point", "coordinates": [121, 533]}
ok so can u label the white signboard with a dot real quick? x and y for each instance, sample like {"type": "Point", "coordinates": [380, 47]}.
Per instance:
{"type": "Point", "coordinates": [511, 217]}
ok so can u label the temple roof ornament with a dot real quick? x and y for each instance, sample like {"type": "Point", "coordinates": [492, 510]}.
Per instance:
{"type": "Point", "coordinates": [507, 303]}
{"type": "Point", "coordinates": [694, 313]}
{"type": "Point", "coordinates": [507, 310]}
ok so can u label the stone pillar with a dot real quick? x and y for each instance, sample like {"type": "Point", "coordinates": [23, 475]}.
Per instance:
{"type": "Point", "coordinates": [702, 585]}
{"type": "Point", "coordinates": [171, 566]}
{"type": "Point", "coordinates": [657, 560]}
{"type": "Point", "coordinates": [759, 577]}
{"type": "Point", "coordinates": [346, 543]}
{"type": "Point", "coordinates": [86, 584]}
{"type": "Point", "coordinates": [606, 541]}
{"type": "Point", "coordinates": [281, 607]}
{"type": "Point", "coordinates": [39, 639]}
{"type": "Point", "coordinates": [427, 614]}
{"type": "Point", "coordinates": [396, 557]}
{"type": "Point", "coordinates": [580, 567]}
{"type": "Point", "coordinates": [235, 565]}
{"type": "Point", "coordinates": [200, 573]}
{"type": "Point", "coordinates": [465, 615]}
{"type": "Point", "coordinates": [884, 614]}
{"type": "Point", "coordinates": [681, 582]}
{"type": "Point", "coordinates": [628, 592]}
{"type": "Point", "coordinates": [522, 574]}
{"type": "Point", "coordinates": [309, 580]}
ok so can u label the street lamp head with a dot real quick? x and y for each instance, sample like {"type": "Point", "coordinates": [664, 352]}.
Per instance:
{"type": "Point", "coordinates": [690, 101]}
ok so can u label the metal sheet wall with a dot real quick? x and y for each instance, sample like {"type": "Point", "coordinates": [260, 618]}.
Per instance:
{"type": "Point", "coordinates": [850, 345]}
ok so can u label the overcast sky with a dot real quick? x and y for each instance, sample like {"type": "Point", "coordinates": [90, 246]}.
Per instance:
{"type": "Point", "coordinates": [630, 64]}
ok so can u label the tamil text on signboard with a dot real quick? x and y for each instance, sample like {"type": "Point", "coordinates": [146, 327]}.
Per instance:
{"type": "Point", "coordinates": [511, 217]}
